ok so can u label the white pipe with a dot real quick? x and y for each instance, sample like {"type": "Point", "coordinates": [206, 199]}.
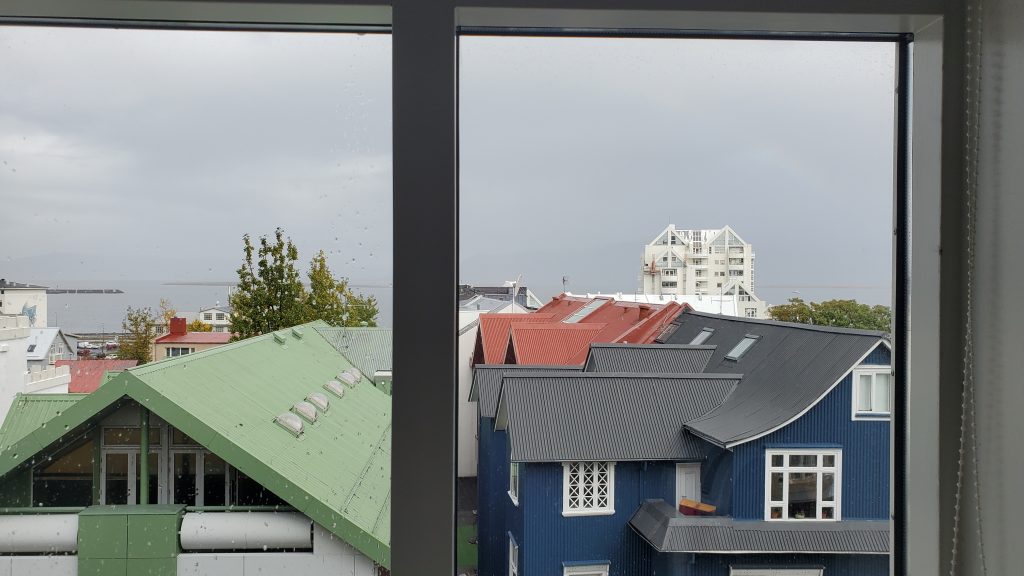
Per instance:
{"type": "Point", "coordinates": [38, 533]}
{"type": "Point", "coordinates": [245, 531]}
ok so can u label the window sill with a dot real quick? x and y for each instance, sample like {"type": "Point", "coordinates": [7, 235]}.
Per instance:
{"type": "Point", "coordinates": [872, 416]}
{"type": "Point", "coordinates": [570, 513]}
{"type": "Point", "coordinates": [512, 498]}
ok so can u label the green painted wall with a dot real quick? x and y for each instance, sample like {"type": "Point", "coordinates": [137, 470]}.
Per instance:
{"type": "Point", "coordinates": [127, 540]}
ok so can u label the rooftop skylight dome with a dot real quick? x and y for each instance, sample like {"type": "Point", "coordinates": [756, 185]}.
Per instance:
{"type": "Point", "coordinates": [335, 388]}
{"type": "Point", "coordinates": [306, 410]}
{"type": "Point", "coordinates": [290, 422]}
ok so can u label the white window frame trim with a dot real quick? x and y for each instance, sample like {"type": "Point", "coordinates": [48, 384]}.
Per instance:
{"type": "Point", "coordinates": [513, 556]}
{"type": "Point", "coordinates": [605, 511]}
{"type": "Point", "coordinates": [513, 486]}
{"type": "Point", "coordinates": [869, 415]}
{"type": "Point", "coordinates": [786, 453]}
{"type": "Point", "coordinates": [599, 569]}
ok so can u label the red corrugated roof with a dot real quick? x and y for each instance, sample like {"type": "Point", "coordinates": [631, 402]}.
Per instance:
{"type": "Point", "coordinates": [492, 339]}
{"type": "Point", "coordinates": [562, 306]}
{"type": "Point", "coordinates": [195, 338]}
{"type": "Point", "coordinates": [87, 375]}
{"type": "Point", "coordinates": [646, 331]}
{"type": "Point", "coordinates": [553, 343]}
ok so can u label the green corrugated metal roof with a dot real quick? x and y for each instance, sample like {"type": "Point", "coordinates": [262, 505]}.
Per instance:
{"type": "Point", "coordinates": [338, 472]}
{"type": "Point", "coordinates": [30, 411]}
{"type": "Point", "coordinates": [368, 348]}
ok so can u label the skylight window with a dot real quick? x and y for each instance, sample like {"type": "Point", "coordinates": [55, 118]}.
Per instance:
{"type": "Point", "coordinates": [290, 422]}
{"type": "Point", "coordinates": [319, 399]}
{"type": "Point", "coordinates": [335, 388]}
{"type": "Point", "coordinates": [306, 410]}
{"type": "Point", "coordinates": [740, 349]}
{"type": "Point", "coordinates": [584, 311]}
{"type": "Point", "coordinates": [702, 337]}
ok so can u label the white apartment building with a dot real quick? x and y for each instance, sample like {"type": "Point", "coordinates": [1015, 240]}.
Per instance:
{"type": "Point", "coordinates": [697, 262]}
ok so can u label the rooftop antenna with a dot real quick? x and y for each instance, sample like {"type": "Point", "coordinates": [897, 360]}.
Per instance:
{"type": "Point", "coordinates": [565, 283]}
{"type": "Point", "coordinates": [515, 289]}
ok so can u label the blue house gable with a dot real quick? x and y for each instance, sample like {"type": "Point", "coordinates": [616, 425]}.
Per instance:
{"type": "Point", "coordinates": [780, 444]}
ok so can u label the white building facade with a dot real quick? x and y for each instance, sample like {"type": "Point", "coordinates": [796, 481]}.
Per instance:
{"type": "Point", "coordinates": [697, 262]}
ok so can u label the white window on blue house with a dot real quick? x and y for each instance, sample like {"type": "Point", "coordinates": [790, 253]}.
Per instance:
{"type": "Point", "coordinates": [513, 482]}
{"type": "Point", "coordinates": [585, 570]}
{"type": "Point", "coordinates": [872, 391]}
{"type": "Point", "coordinates": [513, 557]}
{"type": "Point", "coordinates": [803, 484]}
{"type": "Point", "coordinates": [588, 488]}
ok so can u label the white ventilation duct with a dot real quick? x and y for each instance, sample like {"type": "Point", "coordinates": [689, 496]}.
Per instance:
{"type": "Point", "coordinates": [246, 531]}
{"type": "Point", "coordinates": [38, 533]}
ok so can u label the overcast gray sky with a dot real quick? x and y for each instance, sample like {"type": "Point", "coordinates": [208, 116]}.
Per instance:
{"type": "Point", "coordinates": [145, 155]}
{"type": "Point", "coordinates": [577, 152]}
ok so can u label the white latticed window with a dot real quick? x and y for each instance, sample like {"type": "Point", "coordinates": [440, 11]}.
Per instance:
{"type": "Point", "coordinates": [588, 488]}
{"type": "Point", "coordinates": [513, 482]}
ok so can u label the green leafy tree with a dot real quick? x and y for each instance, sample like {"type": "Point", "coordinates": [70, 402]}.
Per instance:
{"type": "Point", "coordinates": [198, 325]}
{"type": "Point", "coordinates": [167, 311]}
{"type": "Point", "coordinates": [139, 330]}
{"type": "Point", "coordinates": [332, 301]}
{"type": "Point", "coordinates": [839, 313]}
{"type": "Point", "coordinates": [270, 294]}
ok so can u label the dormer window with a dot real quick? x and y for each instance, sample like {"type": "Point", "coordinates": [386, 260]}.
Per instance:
{"type": "Point", "coordinates": [741, 348]}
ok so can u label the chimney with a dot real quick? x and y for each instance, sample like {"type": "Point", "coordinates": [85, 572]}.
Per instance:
{"type": "Point", "coordinates": [178, 326]}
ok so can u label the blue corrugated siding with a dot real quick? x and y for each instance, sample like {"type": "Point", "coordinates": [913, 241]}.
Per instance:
{"type": "Point", "coordinates": [550, 538]}
{"type": "Point", "coordinates": [865, 445]}
{"type": "Point", "coordinates": [718, 564]}
{"type": "Point", "coordinates": [492, 474]}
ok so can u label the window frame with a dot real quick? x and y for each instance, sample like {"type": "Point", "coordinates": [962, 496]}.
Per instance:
{"type": "Point", "coordinates": [594, 510]}
{"type": "Point", "coordinates": [513, 556]}
{"type": "Point", "coordinates": [867, 415]}
{"type": "Point", "coordinates": [425, 158]}
{"type": "Point", "coordinates": [514, 471]}
{"type": "Point", "coordinates": [819, 469]}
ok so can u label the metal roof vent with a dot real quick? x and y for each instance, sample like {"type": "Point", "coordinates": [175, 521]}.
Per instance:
{"type": "Point", "coordinates": [297, 332]}
{"type": "Point", "coordinates": [318, 399]}
{"type": "Point", "coordinates": [306, 410]}
{"type": "Point", "coordinates": [348, 378]}
{"type": "Point", "coordinates": [335, 387]}
{"type": "Point", "coordinates": [280, 337]}
{"type": "Point", "coordinates": [290, 422]}
{"type": "Point", "coordinates": [355, 372]}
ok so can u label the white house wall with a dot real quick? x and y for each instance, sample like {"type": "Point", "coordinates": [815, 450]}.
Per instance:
{"type": "Point", "coordinates": [14, 333]}
{"type": "Point", "coordinates": [14, 301]}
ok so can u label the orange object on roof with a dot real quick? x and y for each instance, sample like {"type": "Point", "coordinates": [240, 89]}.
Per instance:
{"type": "Point", "coordinates": [87, 375]}
{"type": "Point", "coordinates": [648, 329]}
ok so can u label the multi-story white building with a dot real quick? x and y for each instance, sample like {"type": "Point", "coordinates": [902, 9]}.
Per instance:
{"type": "Point", "coordinates": [697, 262]}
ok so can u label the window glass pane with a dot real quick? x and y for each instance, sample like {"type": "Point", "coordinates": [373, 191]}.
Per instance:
{"type": "Point", "coordinates": [154, 477]}
{"type": "Point", "coordinates": [179, 438]}
{"type": "Point", "coordinates": [881, 392]}
{"type": "Point", "coordinates": [803, 495]}
{"type": "Point", "coordinates": [778, 460]}
{"type": "Point", "coordinates": [828, 461]}
{"type": "Point", "coordinates": [777, 486]}
{"type": "Point", "coordinates": [66, 480]}
{"type": "Point", "coordinates": [129, 436]}
{"type": "Point", "coordinates": [214, 480]}
{"type": "Point", "coordinates": [864, 392]}
{"type": "Point", "coordinates": [184, 474]}
{"type": "Point", "coordinates": [116, 478]}
{"type": "Point", "coordinates": [828, 487]}
{"type": "Point", "coordinates": [803, 460]}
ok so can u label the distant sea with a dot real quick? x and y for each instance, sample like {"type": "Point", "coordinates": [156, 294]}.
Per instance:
{"type": "Point", "coordinates": [88, 313]}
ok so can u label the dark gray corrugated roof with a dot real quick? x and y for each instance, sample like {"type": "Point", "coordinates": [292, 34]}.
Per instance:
{"type": "Point", "coordinates": [669, 531]}
{"type": "Point", "coordinates": [648, 358]}
{"type": "Point", "coordinates": [606, 416]}
{"type": "Point", "coordinates": [368, 348]}
{"type": "Point", "coordinates": [487, 382]}
{"type": "Point", "coordinates": [789, 368]}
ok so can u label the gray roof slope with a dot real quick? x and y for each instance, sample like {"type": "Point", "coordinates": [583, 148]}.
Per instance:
{"type": "Point", "coordinates": [648, 358]}
{"type": "Point", "coordinates": [487, 382]}
{"type": "Point", "coordinates": [606, 416]}
{"type": "Point", "coordinates": [368, 348]}
{"type": "Point", "coordinates": [669, 531]}
{"type": "Point", "coordinates": [789, 368]}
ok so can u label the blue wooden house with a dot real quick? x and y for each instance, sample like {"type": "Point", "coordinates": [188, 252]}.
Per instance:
{"type": "Point", "coordinates": [736, 447]}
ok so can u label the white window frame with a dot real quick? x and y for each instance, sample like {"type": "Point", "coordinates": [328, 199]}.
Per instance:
{"type": "Point", "coordinates": [513, 556]}
{"type": "Point", "coordinates": [586, 570]}
{"type": "Point", "coordinates": [513, 482]}
{"type": "Point", "coordinates": [786, 469]}
{"type": "Point", "coordinates": [776, 571]}
{"type": "Point", "coordinates": [873, 371]}
{"type": "Point", "coordinates": [607, 510]}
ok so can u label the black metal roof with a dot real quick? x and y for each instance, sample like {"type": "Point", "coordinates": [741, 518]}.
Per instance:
{"type": "Point", "coordinates": [648, 358]}
{"type": "Point", "coordinates": [789, 367]}
{"type": "Point", "coordinates": [669, 531]}
{"type": "Point", "coordinates": [606, 416]}
{"type": "Point", "coordinates": [487, 382]}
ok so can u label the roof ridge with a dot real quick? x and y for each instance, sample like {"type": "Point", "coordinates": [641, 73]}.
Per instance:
{"type": "Point", "coordinates": [798, 325]}
{"type": "Point", "coordinates": [639, 375]}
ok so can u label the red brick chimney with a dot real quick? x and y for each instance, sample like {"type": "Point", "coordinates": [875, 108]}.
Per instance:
{"type": "Point", "coordinates": [178, 326]}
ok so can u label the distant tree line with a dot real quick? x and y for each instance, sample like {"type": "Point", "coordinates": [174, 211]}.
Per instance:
{"type": "Point", "coordinates": [839, 313]}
